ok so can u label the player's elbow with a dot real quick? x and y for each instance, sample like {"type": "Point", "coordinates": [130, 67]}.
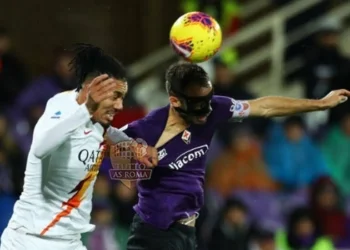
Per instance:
{"type": "Point", "coordinates": [38, 151]}
{"type": "Point", "coordinates": [267, 107]}
{"type": "Point", "coordinates": [262, 111]}
{"type": "Point", "coordinates": [268, 113]}
{"type": "Point", "coordinates": [40, 146]}
{"type": "Point", "coordinates": [259, 108]}
{"type": "Point", "coordinates": [37, 154]}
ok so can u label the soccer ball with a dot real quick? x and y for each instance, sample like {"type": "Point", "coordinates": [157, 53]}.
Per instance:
{"type": "Point", "coordinates": [196, 37]}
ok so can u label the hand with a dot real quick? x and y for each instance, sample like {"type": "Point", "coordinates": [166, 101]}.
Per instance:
{"type": "Point", "coordinates": [101, 88]}
{"type": "Point", "coordinates": [145, 154]}
{"type": "Point", "coordinates": [335, 98]}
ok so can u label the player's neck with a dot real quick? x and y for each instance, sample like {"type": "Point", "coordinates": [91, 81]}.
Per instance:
{"type": "Point", "coordinates": [175, 119]}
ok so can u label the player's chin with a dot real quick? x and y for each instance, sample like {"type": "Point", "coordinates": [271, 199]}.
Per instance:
{"type": "Point", "coordinates": [105, 123]}
{"type": "Point", "coordinates": [200, 120]}
{"type": "Point", "coordinates": [106, 119]}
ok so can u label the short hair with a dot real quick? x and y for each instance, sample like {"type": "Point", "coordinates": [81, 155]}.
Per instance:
{"type": "Point", "coordinates": [180, 75]}
{"type": "Point", "coordinates": [92, 61]}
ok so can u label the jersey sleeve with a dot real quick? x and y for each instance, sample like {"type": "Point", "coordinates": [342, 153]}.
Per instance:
{"type": "Point", "coordinates": [229, 109]}
{"type": "Point", "coordinates": [132, 130]}
{"type": "Point", "coordinates": [60, 119]}
{"type": "Point", "coordinates": [117, 135]}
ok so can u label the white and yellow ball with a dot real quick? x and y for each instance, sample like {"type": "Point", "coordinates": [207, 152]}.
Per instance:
{"type": "Point", "coordinates": [196, 37]}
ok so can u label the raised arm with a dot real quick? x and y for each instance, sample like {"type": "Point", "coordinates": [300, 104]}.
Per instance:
{"type": "Point", "coordinates": [56, 124]}
{"type": "Point", "coordinates": [271, 106]}
{"type": "Point", "coordinates": [63, 115]}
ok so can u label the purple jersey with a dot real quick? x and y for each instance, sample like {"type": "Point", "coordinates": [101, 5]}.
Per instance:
{"type": "Point", "coordinates": [175, 190]}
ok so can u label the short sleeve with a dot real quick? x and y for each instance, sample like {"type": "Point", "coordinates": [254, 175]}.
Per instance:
{"type": "Point", "coordinates": [229, 109]}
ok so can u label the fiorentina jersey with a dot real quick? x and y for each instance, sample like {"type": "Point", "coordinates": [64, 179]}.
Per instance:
{"type": "Point", "coordinates": [175, 190]}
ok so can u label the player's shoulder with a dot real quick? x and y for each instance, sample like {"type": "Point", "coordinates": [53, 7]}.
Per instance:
{"type": "Point", "coordinates": [157, 114]}
{"type": "Point", "coordinates": [151, 120]}
{"type": "Point", "coordinates": [218, 100]}
{"type": "Point", "coordinates": [153, 117]}
{"type": "Point", "coordinates": [65, 95]}
{"type": "Point", "coordinates": [62, 98]}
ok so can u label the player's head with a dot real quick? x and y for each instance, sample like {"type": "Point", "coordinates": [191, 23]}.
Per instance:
{"type": "Point", "coordinates": [89, 62]}
{"type": "Point", "coordinates": [190, 92]}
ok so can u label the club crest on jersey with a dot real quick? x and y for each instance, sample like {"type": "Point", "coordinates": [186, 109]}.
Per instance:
{"type": "Point", "coordinates": [186, 136]}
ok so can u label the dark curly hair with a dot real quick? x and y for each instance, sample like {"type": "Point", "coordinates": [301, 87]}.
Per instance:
{"type": "Point", "coordinates": [92, 61]}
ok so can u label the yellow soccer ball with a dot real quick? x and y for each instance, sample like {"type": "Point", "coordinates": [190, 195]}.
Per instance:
{"type": "Point", "coordinates": [196, 37]}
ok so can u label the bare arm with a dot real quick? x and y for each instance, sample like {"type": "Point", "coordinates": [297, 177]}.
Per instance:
{"type": "Point", "coordinates": [272, 106]}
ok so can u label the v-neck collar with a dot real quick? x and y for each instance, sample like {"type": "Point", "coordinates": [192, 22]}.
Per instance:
{"type": "Point", "coordinates": [159, 124]}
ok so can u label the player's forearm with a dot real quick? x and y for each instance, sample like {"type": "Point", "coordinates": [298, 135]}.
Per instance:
{"type": "Point", "coordinates": [271, 106]}
{"type": "Point", "coordinates": [48, 136]}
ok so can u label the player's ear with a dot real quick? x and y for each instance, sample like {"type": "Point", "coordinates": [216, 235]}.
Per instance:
{"type": "Point", "coordinates": [85, 89]}
{"type": "Point", "coordinates": [83, 94]}
{"type": "Point", "coordinates": [174, 101]}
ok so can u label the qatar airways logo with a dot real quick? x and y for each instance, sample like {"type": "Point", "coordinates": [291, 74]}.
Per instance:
{"type": "Point", "coordinates": [188, 156]}
{"type": "Point", "coordinates": [92, 159]}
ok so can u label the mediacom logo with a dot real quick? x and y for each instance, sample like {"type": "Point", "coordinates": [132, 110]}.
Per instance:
{"type": "Point", "coordinates": [125, 167]}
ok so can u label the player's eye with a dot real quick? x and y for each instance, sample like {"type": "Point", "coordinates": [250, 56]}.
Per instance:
{"type": "Point", "coordinates": [118, 95]}
{"type": "Point", "coordinates": [200, 105]}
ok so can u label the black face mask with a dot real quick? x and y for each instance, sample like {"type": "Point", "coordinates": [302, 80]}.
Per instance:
{"type": "Point", "coordinates": [194, 106]}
